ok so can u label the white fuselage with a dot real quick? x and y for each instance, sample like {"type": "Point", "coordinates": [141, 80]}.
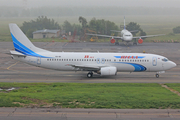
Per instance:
{"type": "Point", "coordinates": [101, 63]}
{"type": "Point", "coordinates": [124, 62]}
{"type": "Point", "coordinates": [126, 35]}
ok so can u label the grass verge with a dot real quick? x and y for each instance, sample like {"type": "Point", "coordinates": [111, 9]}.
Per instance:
{"type": "Point", "coordinates": [95, 95]}
{"type": "Point", "coordinates": [175, 86]}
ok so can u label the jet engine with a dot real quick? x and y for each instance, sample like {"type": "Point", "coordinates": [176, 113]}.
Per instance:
{"type": "Point", "coordinates": [112, 40]}
{"type": "Point", "coordinates": [140, 41]}
{"type": "Point", "coordinates": [108, 71]}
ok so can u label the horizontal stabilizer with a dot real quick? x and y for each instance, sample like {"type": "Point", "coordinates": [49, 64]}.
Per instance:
{"type": "Point", "coordinates": [16, 54]}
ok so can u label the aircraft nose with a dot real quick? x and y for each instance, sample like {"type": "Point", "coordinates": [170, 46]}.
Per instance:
{"type": "Point", "coordinates": [173, 64]}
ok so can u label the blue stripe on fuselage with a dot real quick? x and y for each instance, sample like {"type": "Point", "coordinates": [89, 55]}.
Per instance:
{"type": "Point", "coordinates": [137, 67]}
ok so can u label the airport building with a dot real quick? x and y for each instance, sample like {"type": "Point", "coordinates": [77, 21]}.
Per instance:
{"type": "Point", "coordinates": [39, 34]}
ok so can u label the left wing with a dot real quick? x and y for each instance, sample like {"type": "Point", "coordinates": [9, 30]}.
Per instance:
{"type": "Point", "coordinates": [86, 67]}
{"type": "Point", "coordinates": [105, 36]}
{"type": "Point", "coordinates": [148, 36]}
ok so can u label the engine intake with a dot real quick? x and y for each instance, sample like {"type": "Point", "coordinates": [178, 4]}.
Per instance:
{"type": "Point", "coordinates": [112, 40]}
{"type": "Point", "coordinates": [140, 41]}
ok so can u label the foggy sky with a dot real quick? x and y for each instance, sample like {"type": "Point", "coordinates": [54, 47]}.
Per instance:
{"type": "Point", "coordinates": [97, 3]}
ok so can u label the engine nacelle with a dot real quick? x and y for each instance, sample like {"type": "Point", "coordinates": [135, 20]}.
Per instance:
{"type": "Point", "coordinates": [112, 40]}
{"type": "Point", "coordinates": [140, 41]}
{"type": "Point", "coordinates": [108, 71]}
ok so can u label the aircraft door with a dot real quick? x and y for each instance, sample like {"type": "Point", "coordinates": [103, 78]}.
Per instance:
{"type": "Point", "coordinates": [154, 61]}
{"type": "Point", "coordinates": [163, 65]}
{"type": "Point", "coordinates": [38, 60]}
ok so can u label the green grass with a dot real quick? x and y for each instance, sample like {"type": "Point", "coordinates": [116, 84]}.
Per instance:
{"type": "Point", "coordinates": [80, 95]}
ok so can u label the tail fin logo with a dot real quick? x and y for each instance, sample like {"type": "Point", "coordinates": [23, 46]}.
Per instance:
{"type": "Point", "coordinates": [23, 49]}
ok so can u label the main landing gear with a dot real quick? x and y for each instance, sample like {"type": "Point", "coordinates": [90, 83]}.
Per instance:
{"type": "Point", "coordinates": [157, 75]}
{"type": "Point", "coordinates": [116, 43]}
{"type": "Point", "coordinates": [90, 74]}
{"type": "Point", "coordinates": [135, 42]}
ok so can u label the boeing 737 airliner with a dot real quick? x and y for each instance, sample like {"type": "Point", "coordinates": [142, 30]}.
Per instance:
{"type": "Point", "coordinates": [126, 36]}
{"type": "Point", "coordinates": [100, 63]}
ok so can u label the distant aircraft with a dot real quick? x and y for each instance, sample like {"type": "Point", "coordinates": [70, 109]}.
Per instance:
{"type": "Point", "coordinates": [100, 63]}
{"type": "Point", "coordinates": [126, 36]}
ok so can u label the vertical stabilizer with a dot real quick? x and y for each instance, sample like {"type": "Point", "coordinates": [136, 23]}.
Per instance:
{"type": "Point", "coordinates": [21, 43]}
{"type": "Point", "coordinates": [19, 38]}
{"type": "Point", "coordinates": [124, 23]}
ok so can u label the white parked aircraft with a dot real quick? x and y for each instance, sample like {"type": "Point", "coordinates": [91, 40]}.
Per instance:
{"type": "Point", "coordinates": [101, 63]}
{"type": "Point", "coordinates": [126, 36]}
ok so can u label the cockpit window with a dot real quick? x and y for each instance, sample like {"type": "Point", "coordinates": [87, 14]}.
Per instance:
{"type": "Point", "coordinates": [164, 59]}
{"type": "Point", "coordinates": [127, 35]}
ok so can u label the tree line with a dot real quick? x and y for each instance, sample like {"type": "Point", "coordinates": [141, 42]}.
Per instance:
{"type": "Point", "coordinates": [95, 26]}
